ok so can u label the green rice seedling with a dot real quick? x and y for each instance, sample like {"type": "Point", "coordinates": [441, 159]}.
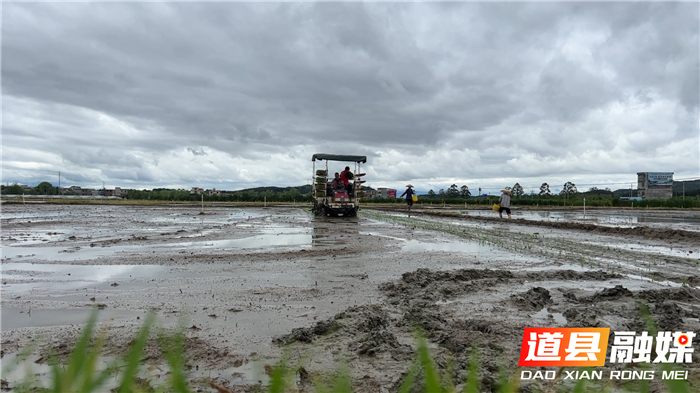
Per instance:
{"type": "Point", "coordinates": [507, 384]}
{"type": "Point", "coordinates": [80, 374]}
{"type": "Point", "coordinates": [673, 385]}
{"type": "Point", "coordinates": [173, 347]}
{"type": "Point", "coordinates": [410, 377]}
{"type": "Point", "coordinates": [280, 375]}
{"type": "Point", "coordinates": [580, 386]}
{"type": "Point", "coordinates": [21, 358]}
{"type": "Point", "coordinates": [432, 377]}
{"type": "Point", "coordinates": [449, 375]}
{"type": "Point", "coordinates": [133, 358]}
{"type": "Point", "coordinates": [340, 382]}
{"type": "Point", "coordinates": [472, 385]}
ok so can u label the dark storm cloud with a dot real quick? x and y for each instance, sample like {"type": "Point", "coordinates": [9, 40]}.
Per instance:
{"type": "Point", "coordinates": [131, 91]}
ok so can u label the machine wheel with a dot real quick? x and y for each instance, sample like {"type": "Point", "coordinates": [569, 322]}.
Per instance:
{"type": "Point", "coordinates": [319, 210]}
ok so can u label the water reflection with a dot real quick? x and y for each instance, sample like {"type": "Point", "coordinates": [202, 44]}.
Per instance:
{"type": "Point", "coordinates": [621, 218]}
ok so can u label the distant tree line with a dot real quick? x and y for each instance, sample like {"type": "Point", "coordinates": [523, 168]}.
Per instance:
{"type": "Point", "coordinates": [288, 195]}
{"type": "Point", "coordinates": [271, 194]}
{"type": "Point", "coordinates": [43, 188]}
{"type": "Point", "coordinates": [568, 196]}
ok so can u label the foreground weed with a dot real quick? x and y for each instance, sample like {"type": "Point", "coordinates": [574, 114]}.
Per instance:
{"type": "Point", "coordinates": [21, 358]}
{"type": "Point", "coordinates": [81, 373]}
{"type": "Point", "coordinates": [133, 358]}
{"type": "Point", "coordinates": [173, 347]}
{"type": "Point", "coordinates": [340, 383]}
{"type": "Point", "coordinates": [432, 379]}
{"type": "Point", "coordinates": [410, 377]}
{"type": "Point", "coordinates": [673, 385]}
{"type": "Point", "coordinates": [472, 385]}
{"type": "Point", "coordinates": [279, 375]}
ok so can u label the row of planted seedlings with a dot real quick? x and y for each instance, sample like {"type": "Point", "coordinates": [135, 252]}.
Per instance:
{"type": "Point", "coordinates": [557, 248]}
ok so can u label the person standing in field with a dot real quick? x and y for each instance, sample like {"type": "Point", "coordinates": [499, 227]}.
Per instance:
{"type": "Point", "coordinates": [409, 195]}
{"type": "Point", "coordinates": [504, 202]}
{"type": "Point", "coordinates": [346, 176]}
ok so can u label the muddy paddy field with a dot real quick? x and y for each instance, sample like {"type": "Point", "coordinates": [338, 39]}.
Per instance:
{"type": "Point", "coordinates": [248, 284]}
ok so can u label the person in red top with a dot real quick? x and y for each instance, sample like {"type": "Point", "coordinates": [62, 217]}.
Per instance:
{"type": "Point", "coordinates": [337, 183]}
{"type": "Point", "coordinates": [346, 175]}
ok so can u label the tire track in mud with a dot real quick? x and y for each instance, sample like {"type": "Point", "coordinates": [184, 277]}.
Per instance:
{"type": "Point", "coordinates": [635, 264]}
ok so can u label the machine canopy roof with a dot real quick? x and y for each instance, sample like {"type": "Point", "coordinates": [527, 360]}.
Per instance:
{"type": "Point", "coordinates": [339, 157]}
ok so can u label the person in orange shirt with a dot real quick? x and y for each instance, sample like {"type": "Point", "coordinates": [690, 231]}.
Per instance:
{"type": "Point", "coordinates": [346, 175]}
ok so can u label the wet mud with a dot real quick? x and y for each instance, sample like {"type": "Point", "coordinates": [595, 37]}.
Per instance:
{"type": "Point", "coordinates": [667, 234]}
{"type": "Point", "coordinates": [250, 284]}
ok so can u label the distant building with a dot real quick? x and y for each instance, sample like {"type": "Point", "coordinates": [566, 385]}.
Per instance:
{"type": "Point", "coordinates": [386, 192]}
{"type": "Point", "coordinates": [77, 190]}
{"type": "Point", "coordinates": [213, 191]}
{"type": "Point", "coordinates": [196, 191]}
{"type": "Point", "coordinates": [655, 185]}
{"type": "Point", "coordinates": [370, 193]}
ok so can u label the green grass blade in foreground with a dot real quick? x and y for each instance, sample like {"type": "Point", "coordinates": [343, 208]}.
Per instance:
{"type": "Point", "coordinates": [432, 379]}
{"type": "Point", "coordinates": [341, 381]}
{"type": "Point", "coordinates": [278, 375]}
{"type": "Point", "coordinates": [410, 377]}
{"type": "Point", "coordinates": [133, 359]}
{"type": "Point", "coordinates": [506, 384]}
{"type": "Point", "coordinates": [449, 375]}
{"type": "Point", "coordinates": [90, 383]}
{"type": "Point", "coordinates": [173, 347]}
{"type": "Point", "coordinates": [472, 385]}
{"type": "Point", "coordinates": [580, 386]}
{"type": "Point", "coordinates": [21, 358]}
{"type": "Point", "coordinates": [65, 381]}
{"type": "Point", "coordinates": [674, 386]}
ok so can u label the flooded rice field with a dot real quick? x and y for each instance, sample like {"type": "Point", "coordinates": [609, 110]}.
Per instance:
{"type": "Point", "coordinates": [246, 283]}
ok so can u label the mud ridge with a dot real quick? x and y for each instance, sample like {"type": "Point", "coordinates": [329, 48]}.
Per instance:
{"type": "Point", "coordinates": [675, 235]}
{"type": "Point", "coordinates": [436, 285]}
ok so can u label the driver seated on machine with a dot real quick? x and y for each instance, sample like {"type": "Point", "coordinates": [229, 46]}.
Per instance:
{"type": "Point", "coordinates": [337, 183]}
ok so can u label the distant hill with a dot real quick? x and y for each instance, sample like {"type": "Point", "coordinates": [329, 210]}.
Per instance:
{"type": "Point", "coordinates": [690, 185]}
{"type": "Point", "coordinates": [625, 192]}
{"type": "Point", "coordinates": [305, 189]}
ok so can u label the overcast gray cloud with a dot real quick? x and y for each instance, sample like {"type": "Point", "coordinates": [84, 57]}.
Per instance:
{"type": "Point", "coordinates": [233, 95]}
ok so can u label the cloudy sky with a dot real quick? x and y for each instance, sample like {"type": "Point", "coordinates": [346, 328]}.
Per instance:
{"type": "Point", "coordinates": [235, 95]}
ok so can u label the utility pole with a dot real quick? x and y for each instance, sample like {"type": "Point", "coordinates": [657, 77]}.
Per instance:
{"type": "Point", "coordinates": [59, 181]}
